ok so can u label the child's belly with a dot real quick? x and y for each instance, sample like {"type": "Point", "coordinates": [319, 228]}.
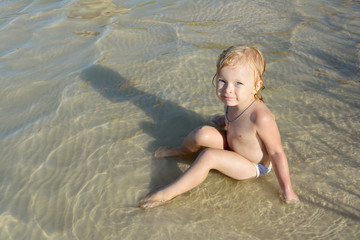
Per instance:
{"type": "Point", "coordinates": [249, 147]}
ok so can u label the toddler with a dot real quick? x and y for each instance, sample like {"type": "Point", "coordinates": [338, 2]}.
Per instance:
{"type": "Point", "coordinates": [247, 143]}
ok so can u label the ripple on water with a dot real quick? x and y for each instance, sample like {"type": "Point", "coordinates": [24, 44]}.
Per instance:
{"type": "Point", "coordinates": [89, 89]}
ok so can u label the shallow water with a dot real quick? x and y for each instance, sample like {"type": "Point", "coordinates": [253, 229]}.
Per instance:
{"type": "Point", "coordinates": [90, 88]}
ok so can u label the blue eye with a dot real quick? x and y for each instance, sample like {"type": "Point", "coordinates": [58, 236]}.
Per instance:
{"type": "Point", "coordinates": [238, 83]}
{"type": "Point", "coordinates": [221, 81]}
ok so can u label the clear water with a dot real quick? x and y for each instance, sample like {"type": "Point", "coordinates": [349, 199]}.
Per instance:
{"type": "Point", "coordinates": [90, 88]}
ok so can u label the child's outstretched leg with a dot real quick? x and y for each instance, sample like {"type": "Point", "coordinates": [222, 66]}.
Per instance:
{"type": "Point", "coordinates": [227, 162]}
{"type": "Point", "coordinates": [205, 136]}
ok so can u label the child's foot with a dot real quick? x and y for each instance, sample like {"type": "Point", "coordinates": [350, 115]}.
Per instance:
{"type": "Point", "coordinates": [166, 152]}
{"type": "Point", "coordinates": [152, 201]}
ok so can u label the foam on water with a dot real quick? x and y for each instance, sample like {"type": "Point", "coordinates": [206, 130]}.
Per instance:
{"type": "Point", "coordinates": [90, 88]}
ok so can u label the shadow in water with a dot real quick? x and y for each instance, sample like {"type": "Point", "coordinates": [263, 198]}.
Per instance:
{"type": "Point", "coordinates": [170, 122]}
{"type": "Point", "coordinates": [340, 208]}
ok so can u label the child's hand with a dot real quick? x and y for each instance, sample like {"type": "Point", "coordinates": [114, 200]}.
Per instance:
{"type": "Point", "coordinates": [218, 120]}
{"type": "Point", "coordinates": [289, 198]}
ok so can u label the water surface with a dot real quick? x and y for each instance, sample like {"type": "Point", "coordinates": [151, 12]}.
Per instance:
{"type": "Point", "coordinates": [90, 88]}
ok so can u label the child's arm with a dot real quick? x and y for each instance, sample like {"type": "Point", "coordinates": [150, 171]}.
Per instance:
{"type": "Point", "coordinates": [219, 120]}
{"type": "Point", "coordinates": [282, 173]}
{"type": "Point", "coordinates": [270, 135]}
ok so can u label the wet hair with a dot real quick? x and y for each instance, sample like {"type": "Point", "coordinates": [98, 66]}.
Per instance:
{"type": "Point", "coordinates": [239, 54]}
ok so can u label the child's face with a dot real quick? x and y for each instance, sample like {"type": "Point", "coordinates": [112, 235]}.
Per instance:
{"type": "Point", "coordinates": [235, 85]}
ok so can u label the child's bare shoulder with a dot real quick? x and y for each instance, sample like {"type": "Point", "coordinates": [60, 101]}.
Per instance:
{"type": "Point", "coordinates": [262, 115]}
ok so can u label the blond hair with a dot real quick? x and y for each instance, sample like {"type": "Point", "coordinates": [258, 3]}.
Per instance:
{"type": "Point", "coordinates": [238, 55]}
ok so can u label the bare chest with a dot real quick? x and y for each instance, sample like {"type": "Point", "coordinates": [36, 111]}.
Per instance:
{"type": "Point", "coordinates": [242, 138]}
{"type": "Point", "coordinates": [241, 131]}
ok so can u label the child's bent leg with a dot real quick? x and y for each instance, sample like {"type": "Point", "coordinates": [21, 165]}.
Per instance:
{"type": "Point", "coordinates": [205, 136]}
{"type": "Point", "coordinates": [227, 162]}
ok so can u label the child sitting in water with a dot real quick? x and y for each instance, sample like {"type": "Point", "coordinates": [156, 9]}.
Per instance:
{"type": "Point", "coordinates": [248, 144]}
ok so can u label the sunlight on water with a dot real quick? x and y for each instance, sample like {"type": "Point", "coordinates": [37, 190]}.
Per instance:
{"type": "Point", "coordinates": [90, 88]}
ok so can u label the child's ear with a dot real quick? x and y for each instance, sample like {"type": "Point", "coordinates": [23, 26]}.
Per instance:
{"type": "Point", "coordinates": [258, 85]}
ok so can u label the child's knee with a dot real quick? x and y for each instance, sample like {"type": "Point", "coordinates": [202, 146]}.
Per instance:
{"type": "Point", "coordinates": [207, 157]}
{"type": "Point", "coordinates": [202, 134]}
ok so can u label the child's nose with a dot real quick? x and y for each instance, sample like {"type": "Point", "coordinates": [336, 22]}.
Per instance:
{"type": "Point", "coordinates": [228, 88]}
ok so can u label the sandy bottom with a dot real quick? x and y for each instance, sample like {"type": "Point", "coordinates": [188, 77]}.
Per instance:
{"type": "Point", "coordinates": [89, 90]}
